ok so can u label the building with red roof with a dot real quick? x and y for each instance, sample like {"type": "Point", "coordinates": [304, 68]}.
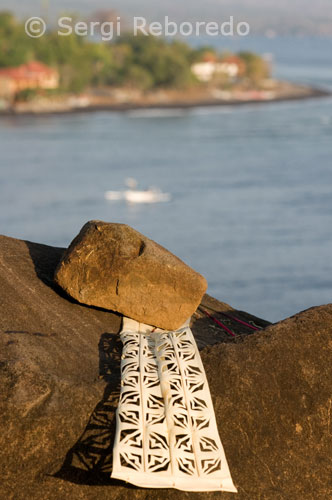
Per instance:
{"type": "Point", "coordinates": [33, 75]}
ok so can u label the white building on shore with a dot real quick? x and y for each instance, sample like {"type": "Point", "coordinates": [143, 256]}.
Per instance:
{"type": "Point", "coordinates": [210, 66]}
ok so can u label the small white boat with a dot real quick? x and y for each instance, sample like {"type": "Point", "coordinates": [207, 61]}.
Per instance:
{"type": "Point", "coordinates": [151, 195]}
{"type": "Point", "coordinates": [133, 195]}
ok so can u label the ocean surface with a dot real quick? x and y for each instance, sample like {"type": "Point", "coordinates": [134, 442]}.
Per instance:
{"type": "Point", "coordinates": [251, 186]}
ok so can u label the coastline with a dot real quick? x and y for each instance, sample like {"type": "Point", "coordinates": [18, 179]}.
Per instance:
{"type": "Point", "coordinates": [164, 100]}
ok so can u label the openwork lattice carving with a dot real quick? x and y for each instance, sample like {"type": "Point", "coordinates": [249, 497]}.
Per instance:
{"type": "Point", "coordinates": [166, 429]}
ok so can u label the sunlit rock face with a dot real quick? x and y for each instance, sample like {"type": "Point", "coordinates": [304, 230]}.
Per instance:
{"type": "Point", "coordinates": [114, 267]}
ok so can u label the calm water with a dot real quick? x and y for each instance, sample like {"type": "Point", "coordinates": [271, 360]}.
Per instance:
{"type": "Point", "coordinates": [251, 186]}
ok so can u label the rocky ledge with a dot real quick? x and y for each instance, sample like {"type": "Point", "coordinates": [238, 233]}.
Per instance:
{"type": "Point", "coordinates": [59, 381]}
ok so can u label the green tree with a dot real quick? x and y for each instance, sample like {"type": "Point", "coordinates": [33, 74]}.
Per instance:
{"type": "Point", "coordinates": [168, 64]}
{"type": "Point", "coordinates": [257, 69]}
{"type": "Point", "coordinates": [15, 49]}
{"type": "Point", "coordinates": [143, 62]}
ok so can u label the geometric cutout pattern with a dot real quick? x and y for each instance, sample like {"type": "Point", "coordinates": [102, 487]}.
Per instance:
{"type": "Point", "coordinates": [166, 431]}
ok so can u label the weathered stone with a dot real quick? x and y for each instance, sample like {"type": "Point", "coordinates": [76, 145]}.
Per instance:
{"type": "Point", "coordinates": [59, 378]}
{"type": "Point", "coordinates": [114, 267]}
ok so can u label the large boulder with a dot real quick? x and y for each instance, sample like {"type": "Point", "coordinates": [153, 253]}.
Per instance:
{"type": "Point", "coordinates": [59, 381]}
{"type": "Point", "coordinates": [114, 267]}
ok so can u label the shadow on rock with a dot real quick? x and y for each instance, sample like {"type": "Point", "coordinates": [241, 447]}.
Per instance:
{"type": "Point", "coordinates": [207, 332]}
{"type": "Point", "coordinates": [89, 461]}
{"type": "Point", "coordinates": [45, 262]}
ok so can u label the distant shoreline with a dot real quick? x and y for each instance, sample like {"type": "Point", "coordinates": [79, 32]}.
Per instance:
{"type": "Point", "coordinates": [296, 93]}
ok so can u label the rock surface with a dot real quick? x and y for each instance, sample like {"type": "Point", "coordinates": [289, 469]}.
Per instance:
{"type": "Point", "coordinates": [114, 267]}
{"type": "Point", "coordinates": [59, 380]}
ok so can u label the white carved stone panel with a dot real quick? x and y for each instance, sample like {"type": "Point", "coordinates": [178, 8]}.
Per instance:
{"type": "Point", "coordinates": [166, 433]}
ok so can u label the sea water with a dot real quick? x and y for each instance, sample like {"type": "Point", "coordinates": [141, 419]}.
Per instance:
{"type": "Point", "coordinates": [251, 186]}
